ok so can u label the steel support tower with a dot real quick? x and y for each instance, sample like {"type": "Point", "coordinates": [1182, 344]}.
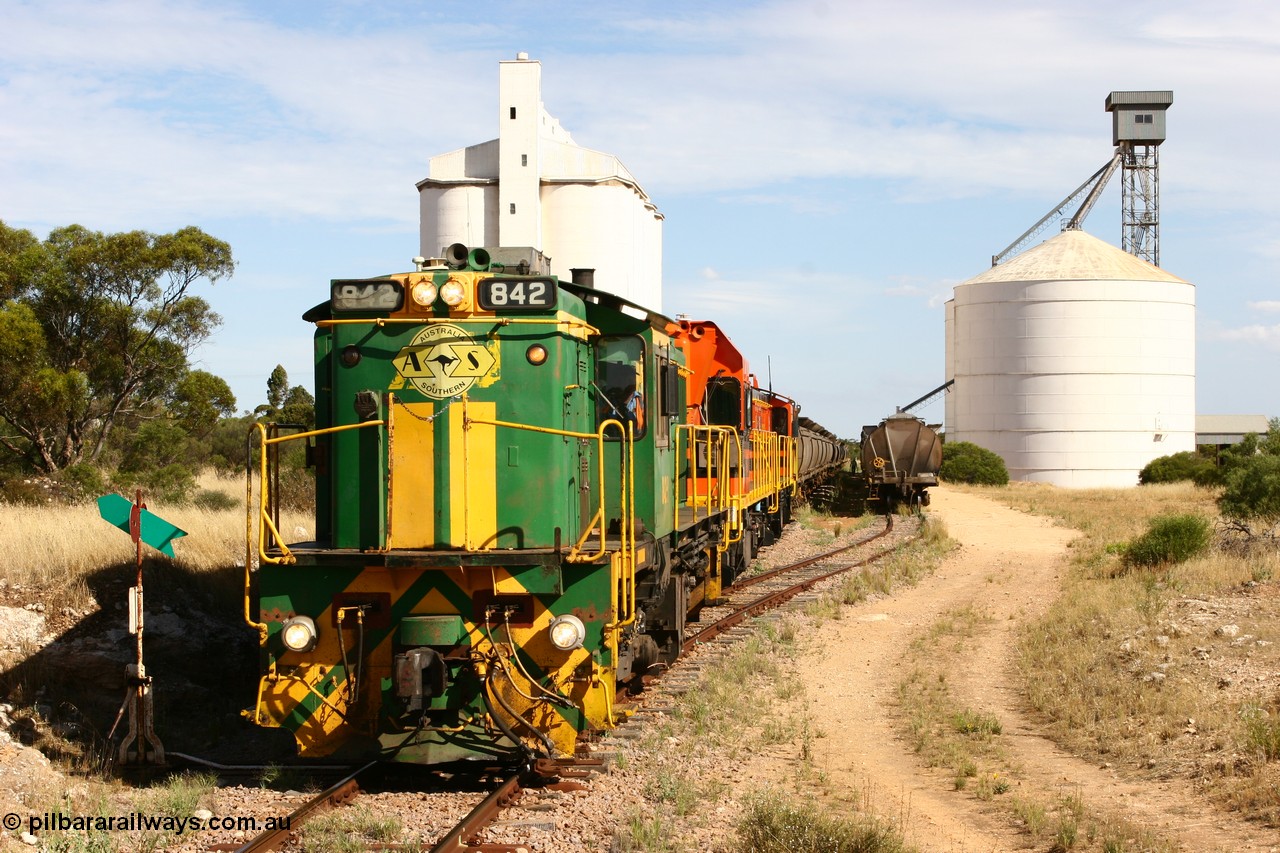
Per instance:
{"type": "Point", "coordinates": [1138, 128]}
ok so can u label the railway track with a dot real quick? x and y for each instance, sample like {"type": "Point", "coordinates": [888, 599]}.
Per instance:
{"type": "Point", "coordinates": [545, 774]}
{"type": "Point", "coordinates": [340, 793]}
{"type": "Point", "coordinates": [755, 594]}
{"type": "Point", "coordinates": [748, 597]}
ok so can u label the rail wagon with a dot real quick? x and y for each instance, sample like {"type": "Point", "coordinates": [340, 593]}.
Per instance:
{"type": "Point", "coordinates": [900, 459]}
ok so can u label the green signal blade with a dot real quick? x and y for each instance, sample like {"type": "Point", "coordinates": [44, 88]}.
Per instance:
{"type": "Point", "coordinates": [154, 530]}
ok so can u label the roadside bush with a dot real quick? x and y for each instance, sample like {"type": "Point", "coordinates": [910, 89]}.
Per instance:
{"type": "Point", "coordinates": [215, 501]}
{"type": "Point", "coordinates": [1169, 539]}
{"type": "Point", "coordinates": [26, 491]}
{"type": "Point", "coordinates": [1251, 498]}
{"type": "Point", "coordinates": [172, 484]}
{"type": "Point", "coordinates": [966, 462]}
{"type": "Point", "coordinates": [1186, 465]}
{"type": "Point", "coordinates": [82, 482]}
{"type": "Point", "coordinates": [297, 489]}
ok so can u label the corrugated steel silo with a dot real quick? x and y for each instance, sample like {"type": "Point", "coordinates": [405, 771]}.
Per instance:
{"type": "Point", "coordinates": [1074, 361]}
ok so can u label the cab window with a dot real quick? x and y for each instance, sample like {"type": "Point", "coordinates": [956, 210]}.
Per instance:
{"type": "Point", "coordinates": [620, 383]}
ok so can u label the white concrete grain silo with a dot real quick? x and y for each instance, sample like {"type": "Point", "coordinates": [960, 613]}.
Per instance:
{"type": "Point", "coordinates": [1074, 361]}
{"type": "Point", "coordinates": [535, 187]}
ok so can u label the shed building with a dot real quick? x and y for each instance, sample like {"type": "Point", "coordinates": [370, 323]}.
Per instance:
{"type": "Point", "coordinates": [1074, 361]}
{"type": "Point", "coordinates": [1225, 430]}
{"type": "Point", "coordinates": [534, 186]}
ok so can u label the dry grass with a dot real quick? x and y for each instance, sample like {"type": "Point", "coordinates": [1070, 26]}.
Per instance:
{"type": "Point", "coordinates": [1170, 671]}
{"type": "Point", "coordinates": [53, 549]}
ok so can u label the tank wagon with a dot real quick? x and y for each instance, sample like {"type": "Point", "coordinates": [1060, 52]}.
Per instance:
{"type": "Point", "coordinates": [900, 459]}
{"type": "Point", "coordinates": [525, 488]}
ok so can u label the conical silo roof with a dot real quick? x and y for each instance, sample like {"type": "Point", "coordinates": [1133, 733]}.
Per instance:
{"type": "Point", "coordinates": [1075, 256]}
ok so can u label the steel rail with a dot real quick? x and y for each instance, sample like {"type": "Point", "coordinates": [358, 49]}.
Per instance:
{"type": "Point", "coordinates": [743, 583]}
{"type": "Point", "coordinates": [773, 599]}
{"type": "Point", "coordinates": [461, 839]}
{"type": "Point", "coordinates": [339, 794]}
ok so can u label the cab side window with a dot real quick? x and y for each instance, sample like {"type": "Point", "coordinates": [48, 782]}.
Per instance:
{"type": "Point", "coordinates": [620, 383]}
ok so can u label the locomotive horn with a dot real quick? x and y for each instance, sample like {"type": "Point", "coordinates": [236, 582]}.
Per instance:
{"type": "Point", "coordinates": [455, 255]}
{"type": "Point", "coordinates": [478, 260]}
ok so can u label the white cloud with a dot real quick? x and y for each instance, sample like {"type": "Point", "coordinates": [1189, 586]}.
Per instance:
{"type": "Point", "coordinates": [178, 107]}
{"type": "Point", "coordinates": [1269, 305]}
{"type": "Point", "coordinates": [1266, 336]}
{"type": "Point", "coordinates": [932, 293]}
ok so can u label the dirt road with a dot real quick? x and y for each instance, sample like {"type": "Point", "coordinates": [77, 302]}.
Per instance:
{"type": "Point", "coordinates": [1008, 566]}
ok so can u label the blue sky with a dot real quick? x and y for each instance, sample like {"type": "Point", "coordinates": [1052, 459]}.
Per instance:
{"type": "Point", "coordinates": [828, 170]}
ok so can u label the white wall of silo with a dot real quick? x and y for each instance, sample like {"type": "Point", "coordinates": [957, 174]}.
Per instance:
{"type": "Point", "coordinates": [1075, 381]}
{"type": "Point", "coordinates": [949, 364]}
{"type": "Point", "coordinates": [466, 214]}
{"type": "Point", "coordinates": [602, 227]}
{"type": "Point", "coordinates": [534, 186]}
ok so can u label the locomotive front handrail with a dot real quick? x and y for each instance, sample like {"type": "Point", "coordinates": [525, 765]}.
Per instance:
{"type": "Point", "coordinates": [570, 322]}
{"type": "Point", "coordinates": [264, 519]}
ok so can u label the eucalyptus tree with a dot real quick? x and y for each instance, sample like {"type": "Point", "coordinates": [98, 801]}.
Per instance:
{"type": "Point", "coordinates": [96, 330]}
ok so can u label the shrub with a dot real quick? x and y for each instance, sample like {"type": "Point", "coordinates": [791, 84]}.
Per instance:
{"type": "Point", "coordinates": [215, 501]}
{"type": "Point", "coordinates": [1252, 493]}
{"type": "Point", "coordinates": [780, 826]}
{"type": "Point", "coordinates": [172, 484]}
{"type": "Point", "coordinates": [82, 482]}
{"type": "Point", "coordinates": [966, 462]}
{"type": "Point", "coordinates": [1169, 539]}
{"type": "Point", "coordinates": [1180, 466]}
{"type": "Point", "coordinates": [26, 491]}
{"type": "Point", "coordinates": [297, 489]}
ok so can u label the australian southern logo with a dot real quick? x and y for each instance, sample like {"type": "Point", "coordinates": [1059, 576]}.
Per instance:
{"type": "Point", "coordinates": [442, 361]}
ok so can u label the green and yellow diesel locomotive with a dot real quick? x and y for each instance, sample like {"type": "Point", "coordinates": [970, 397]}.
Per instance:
{"type": "Point", "coordinates": [524, 489]}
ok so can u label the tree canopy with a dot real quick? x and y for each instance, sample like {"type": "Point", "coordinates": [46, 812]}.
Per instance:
{"type": "Point", "coordinates": [96, 330]}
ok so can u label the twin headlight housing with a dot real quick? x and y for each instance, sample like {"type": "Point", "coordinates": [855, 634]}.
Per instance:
{"type": "Point", "coordinates": [298, 633]}
{"type": "Point", "coordinates": [452, 293]}
{"type": "Point", "coordinates": [385, 295]}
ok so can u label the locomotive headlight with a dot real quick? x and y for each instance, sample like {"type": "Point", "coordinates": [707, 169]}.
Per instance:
{"type": "Point", "coordinates": [453, 292]}
{"type": "Point", "coordinates": [567, 632]}
{"type": "Point", "coordinates": [299, 634]}
{"type": "Point", "coordinates": [424, 293]}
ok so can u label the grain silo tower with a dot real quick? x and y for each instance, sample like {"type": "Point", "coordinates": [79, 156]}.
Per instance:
{"type": "Point", "coordinates": [1074, 361]}
{"type": "Point", "coordinates": [535, 187]}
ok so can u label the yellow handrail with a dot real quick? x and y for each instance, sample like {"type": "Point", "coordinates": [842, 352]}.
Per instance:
{"type": "Point", "coordinates": [264, 519]}
{"type": "Point", "coordinates": [623, 592]}
{"type": "Point", "coordinates": [722, 496]}
{"type": "Point", "coordinates": [570, 322]}
{"type": "Point", "coordinates": [599, 436]}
